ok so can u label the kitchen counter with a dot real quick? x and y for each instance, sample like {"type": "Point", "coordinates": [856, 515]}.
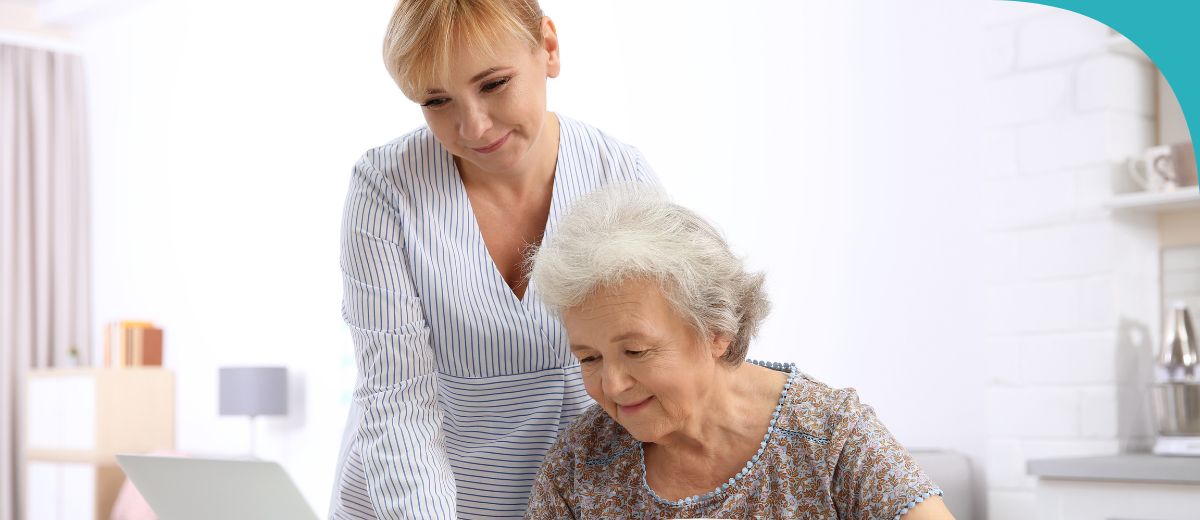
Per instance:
{"type": "Point", "coordinates": [1129, 467]}
{"type": "Point", "coordinates": [1132, 486]}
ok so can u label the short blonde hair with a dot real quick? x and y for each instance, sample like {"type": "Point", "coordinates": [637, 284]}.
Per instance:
{"type": "Point", "coordinates": [422, 34]}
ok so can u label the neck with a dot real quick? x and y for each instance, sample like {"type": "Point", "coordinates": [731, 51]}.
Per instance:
{"type": "Point", "coordinates": [734, 419]}
{"type": "Point", "coordinates": [528, 178]}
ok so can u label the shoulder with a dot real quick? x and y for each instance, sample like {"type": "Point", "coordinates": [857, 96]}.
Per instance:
{"type": "Point", "coordinates": [869, 473]}
{"type": "Point", "coordinates": [398, 171]}
{"type": "Point", "coordinates": [824, 413]}
{"type": "Point", "coordinates": [578, 131]}
{"type": "Point", "coordinates": [401, 154]}
{"type": "Point", "coordinates": [594, 438]}
{"type": "Point", "coordinates": [587, 148]}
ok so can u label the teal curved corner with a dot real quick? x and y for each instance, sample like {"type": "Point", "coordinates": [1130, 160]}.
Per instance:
{"type": "Point", "coordinates": [1168, 31]}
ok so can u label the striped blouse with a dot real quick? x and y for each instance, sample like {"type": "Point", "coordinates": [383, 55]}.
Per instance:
{"type": "Point", "coordinates": [462, 387]}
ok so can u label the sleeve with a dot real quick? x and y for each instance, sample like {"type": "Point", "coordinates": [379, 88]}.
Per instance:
{"type": "Point", "coordinates": [550, 498]}
{"type": "Point", "coordinates": [643, 171]}
{"type": "Point", "coordinates": [875, 477]}
{"type": "Point", "coordinates": [405, 468]}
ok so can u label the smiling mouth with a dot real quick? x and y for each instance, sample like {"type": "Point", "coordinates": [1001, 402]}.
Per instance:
{"type": "Point", "coordinates": [634, 407]}
{"type": "Point", "coordinates": [495, 145]}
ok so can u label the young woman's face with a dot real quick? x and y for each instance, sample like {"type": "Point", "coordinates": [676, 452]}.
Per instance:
{"type": "Point", "coordinates": [640, 360]}
{"type": "Point", "coordinates": [492, 112]}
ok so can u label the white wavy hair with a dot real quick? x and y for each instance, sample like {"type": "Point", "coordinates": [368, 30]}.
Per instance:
{"type": "Point", "coordinates": [633, 231]}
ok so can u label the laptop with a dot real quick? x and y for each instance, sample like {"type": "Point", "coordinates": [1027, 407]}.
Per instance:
{"type": "Point", "coordinates": [180, 488]}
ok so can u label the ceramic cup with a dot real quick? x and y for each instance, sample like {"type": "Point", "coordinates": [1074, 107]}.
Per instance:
{"type": "Point", "coordinates": [1162, 168]}
{"type": "Point", "coordinates": [1154, 170]}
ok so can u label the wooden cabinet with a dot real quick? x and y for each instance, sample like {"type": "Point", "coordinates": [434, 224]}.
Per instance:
{"type": "Point", "coordinates": [76, 422]}
{"type": "Point", "coordinates": [63, 490]}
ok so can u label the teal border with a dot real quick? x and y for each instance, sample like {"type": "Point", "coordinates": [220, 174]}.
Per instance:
{"type": "Point", "coordinates": [1167, 31]}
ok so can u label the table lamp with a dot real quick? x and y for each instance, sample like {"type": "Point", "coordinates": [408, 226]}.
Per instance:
{"type": "Point", "coordinates": [253, 391]}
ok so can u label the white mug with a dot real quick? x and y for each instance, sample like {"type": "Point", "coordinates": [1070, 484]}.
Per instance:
{"type": "Point", "coordinates": [1154, 170]}
{"type": "Point", "coordinates": [1163, 168]}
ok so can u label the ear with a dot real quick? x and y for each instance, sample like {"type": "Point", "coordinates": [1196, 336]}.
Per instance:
{"type": "Point", "coordinates": [720, 345]}
{"type": "Point", "coordinates": [550, 41]}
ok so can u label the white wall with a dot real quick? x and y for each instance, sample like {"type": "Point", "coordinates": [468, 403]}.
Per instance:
{"type": "Point", "coordinates": [1072, 287]}
{"type": "Point", "coordinates": [834, 142]}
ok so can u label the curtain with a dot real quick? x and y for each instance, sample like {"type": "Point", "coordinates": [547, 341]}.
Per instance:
{"type": "Point", "coordinates": [45, 250]}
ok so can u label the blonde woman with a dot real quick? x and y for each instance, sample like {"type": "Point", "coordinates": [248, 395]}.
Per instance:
{"type": "Point", "coordinates": [464, 378]}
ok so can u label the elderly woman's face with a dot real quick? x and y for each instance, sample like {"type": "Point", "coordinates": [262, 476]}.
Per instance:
{"type": "Point", "coordinates": [640, 360]}
{"type": "Point", "coordinates": [493, 110]}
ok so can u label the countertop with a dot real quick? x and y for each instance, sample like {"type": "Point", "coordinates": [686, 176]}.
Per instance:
{"type": "Point", "coordinates": [1128, 467]}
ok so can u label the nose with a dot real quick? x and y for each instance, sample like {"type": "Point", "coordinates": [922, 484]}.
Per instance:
{"type": "Point", "coordinates": [473, 122]}
{"type": "Point", "coordinates": [615, 380]}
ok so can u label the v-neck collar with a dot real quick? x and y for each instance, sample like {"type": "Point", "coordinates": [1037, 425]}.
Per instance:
{"type": "Point", "coordinates": [477, 233]}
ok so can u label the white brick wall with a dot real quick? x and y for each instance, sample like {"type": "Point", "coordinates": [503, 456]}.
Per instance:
{"type": "Point", "coordinates": [1029, 200]}
{"type": "Point", "coordinates": [1181, 278]}
{"type": "Point", "coordinates": [1072, 249]}
{"type": "Point", "coordinates": [1034, 412]}
{"type": "Point", "coordinates": [1072, 305]}
{"type": "Point", "coordinates": [1033, 307]}
{"type": "Point", "coordinates": [1027, 97]}
{"type": "Point", "coordinates": [1077, 358]}
{"type": "Point", "coordinates": [1080, 139]}
{"type": "Point", "coordinates": [998, 154]}
{"type": "Point", "coordinates": [1115, 82]}
{"type": "Point", "coordinates": [1058, 38]}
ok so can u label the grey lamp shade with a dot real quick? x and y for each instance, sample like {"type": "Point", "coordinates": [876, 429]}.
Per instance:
{"type": "Point", "coordinates": [254, 391]}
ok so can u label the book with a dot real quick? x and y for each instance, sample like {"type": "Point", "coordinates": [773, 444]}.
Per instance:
{"type": "Point", "coordinates": [152, 347]}
{"type": "Point", "coordinates": [130, 343]}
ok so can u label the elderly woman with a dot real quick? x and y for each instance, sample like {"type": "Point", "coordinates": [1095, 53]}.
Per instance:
{"type": "Point", "coordinates": [660, 314]}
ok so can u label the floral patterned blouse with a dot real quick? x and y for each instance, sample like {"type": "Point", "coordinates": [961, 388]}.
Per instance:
{"type": "Point", "coordinates": [825, 456]}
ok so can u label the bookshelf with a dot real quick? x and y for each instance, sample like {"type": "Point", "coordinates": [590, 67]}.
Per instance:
{"type": "Point", "coordinates": [77, 420]}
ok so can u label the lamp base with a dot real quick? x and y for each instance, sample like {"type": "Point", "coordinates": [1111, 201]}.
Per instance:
{"type": "Point", "coordinates": [254, 436]}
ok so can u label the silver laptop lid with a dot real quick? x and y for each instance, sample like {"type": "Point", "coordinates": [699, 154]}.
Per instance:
{"type": "Point", "coordinates": [180, 488]}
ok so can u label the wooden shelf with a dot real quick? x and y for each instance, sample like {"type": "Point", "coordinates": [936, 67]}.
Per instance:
{"type": "Point", "coordinates": [81, 456]}
{"type": "Point", "coordinates": [76, 421]}
{"type": "Point", "coordinates": [1184, 198]}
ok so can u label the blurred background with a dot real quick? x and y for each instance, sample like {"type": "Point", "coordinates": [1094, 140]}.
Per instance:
{"type": "Point", "coordinates": [944, 194]}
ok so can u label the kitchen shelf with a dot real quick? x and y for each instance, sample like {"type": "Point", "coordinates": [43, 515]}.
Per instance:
{"type": "Point", "coordinates": [1184, 198]}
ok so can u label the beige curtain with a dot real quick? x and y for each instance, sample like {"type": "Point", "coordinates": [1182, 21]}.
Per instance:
{"type": "Point", "coordinates": [45, 250]}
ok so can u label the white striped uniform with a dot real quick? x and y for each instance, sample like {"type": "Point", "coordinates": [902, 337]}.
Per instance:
{"type": "Point", "coordinates": [461, 386]}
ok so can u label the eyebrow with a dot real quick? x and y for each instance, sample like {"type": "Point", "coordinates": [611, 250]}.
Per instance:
{"type": "Point", "coordinates": [628, 335]}
{"type": "Point", "coordinates": [474, 79]}
{"type": "Point", "coordinates": [615, 339]}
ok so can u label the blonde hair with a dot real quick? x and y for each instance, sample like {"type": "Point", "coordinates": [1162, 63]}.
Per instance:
{"type": "Point", "coordinates": [422, 34]}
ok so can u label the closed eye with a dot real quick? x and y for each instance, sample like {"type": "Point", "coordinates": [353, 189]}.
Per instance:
{"type": "Point", "coordinates": [495, 85]}
{"type": "Point", "coordinates": [435, 102]}
{"type": "Point", "coordinates": [635, 353]}
{"type": "Point", "coordinates": [590, 359]}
